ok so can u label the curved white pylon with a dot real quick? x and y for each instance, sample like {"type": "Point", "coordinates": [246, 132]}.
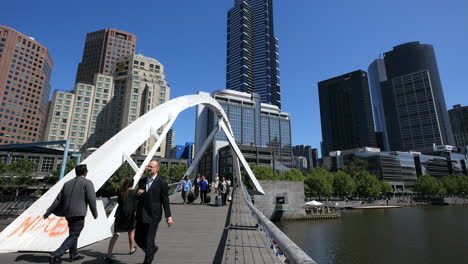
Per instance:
{"type": "Point", "coordinates": [29, 232]}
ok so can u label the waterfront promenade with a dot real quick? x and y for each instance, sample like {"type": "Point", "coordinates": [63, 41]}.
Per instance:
{"type": "Point", "coordinates": [200, 234]}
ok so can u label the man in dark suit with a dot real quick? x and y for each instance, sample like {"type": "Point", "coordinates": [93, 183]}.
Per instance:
{"type": "Point", "coordinates": [72, 203]}
{"type": "Point", "coordinates": [153, 197]}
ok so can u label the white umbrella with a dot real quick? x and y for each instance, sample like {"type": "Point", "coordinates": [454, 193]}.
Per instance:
{"type": "Point", "coordinates": [313, 202]}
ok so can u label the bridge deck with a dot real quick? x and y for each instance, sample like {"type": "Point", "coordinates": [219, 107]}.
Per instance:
{"type": "Point", "coordinates": [200, 234]}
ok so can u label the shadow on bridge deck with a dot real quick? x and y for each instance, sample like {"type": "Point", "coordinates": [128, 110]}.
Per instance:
{"type": "Point", "coordinates": [200, 234]}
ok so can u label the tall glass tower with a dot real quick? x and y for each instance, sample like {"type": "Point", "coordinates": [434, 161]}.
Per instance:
{"type": "Point", "coordinates": [415, 111]}
{"type": "Point", "coordinates": [252, 50]}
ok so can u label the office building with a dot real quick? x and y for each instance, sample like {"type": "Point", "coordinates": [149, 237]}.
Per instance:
{"type": "Point", "coordinates": [254, 124]}
{"type": "Point", "coordinates": [102, 48]}
{"type": "Point", "coordinates": [402, 169]}
{"type": "Point", "coordinates": [25, 71]}
{"type": "Point", "coordinates": [415, 111]}
{"type": "Point", "coordinates": [170, 143]}
{"type": "Point", "coordinates": [309, 153]}
{"type": "Point", "coordinates": [185, 152]}
{"type": "Point", "coordinates": [459, 120]}
{"type": "Point", "coordinates": [252, 50]}
{"type": "Point", "coordinates": [346, 113]}
{"type": "Point", "coordinates": [377, 75]}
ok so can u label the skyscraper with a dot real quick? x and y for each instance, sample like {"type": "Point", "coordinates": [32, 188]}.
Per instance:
{"type": "Point", "coordinates": [415, 111]}
{"type": "Point", "coordinates": [309, 153]}
{"type": "Point", "coordinates": [252, 50]}
{"type": "Point", "coordinates": [139, 86]}
{"type": "Point", "coordinates": [101, 49]}
{"type": "Point", "coordinates": [459, 120]}
{"type": "Point", "coordinates": [346, 113]}
{"type": "Point", "coordinates": [377, 75]}
{"type": "Point", "coordinates": [81, 115]}
{"type": "Point", "coordinates": [25, 71]}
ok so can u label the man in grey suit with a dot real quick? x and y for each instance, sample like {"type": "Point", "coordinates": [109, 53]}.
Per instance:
{"type": "Point", "coordinates": [72, 203]}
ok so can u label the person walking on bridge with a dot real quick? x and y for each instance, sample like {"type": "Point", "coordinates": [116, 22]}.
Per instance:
{"type": "Point", "coordinates": [124, 217]}
{"type": "Point", "coordinates": [185, 186]}
{"type": "Point", "coordinates": [152, 198]}
{"type": "Point", "coordinates": [72, 202]}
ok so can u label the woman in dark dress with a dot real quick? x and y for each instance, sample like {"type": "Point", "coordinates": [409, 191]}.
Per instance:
{"type": "Point", "coordinates": [125, 216]}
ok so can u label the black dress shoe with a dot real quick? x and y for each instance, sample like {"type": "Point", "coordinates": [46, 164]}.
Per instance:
{"type": "Point", "coordinates": [54, 259]}
{"type": "Point", "coordinates": [76, 257]}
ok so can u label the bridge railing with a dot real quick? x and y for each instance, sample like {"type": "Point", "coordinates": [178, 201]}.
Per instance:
{"type": "Point", "coordinates": [293, 253]}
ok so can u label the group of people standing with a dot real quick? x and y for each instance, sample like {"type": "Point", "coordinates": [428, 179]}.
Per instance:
{"type": "Point", "coordinates": [203, 187]}
{"type": "Point", "coordinates": [139, 212]}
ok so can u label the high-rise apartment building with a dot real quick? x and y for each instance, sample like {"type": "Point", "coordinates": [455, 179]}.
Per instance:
{"type": "Point", "coordinates": [139, 86]}
{"type": "Point", "coordinates": [459, 120]}
{"type": "Point", "coordinates": [81, 115]}
{"type": "Point", "coordinates": [252, 50]}
{"type": "Point", "coordinates": [102, 48]}
{"type": "Point", "coordinates": [25, 71]}
{"type": "Point", "coordinates": [93, 113]}
{"type": "Point", "coordinates": [415, 112]}
{"type": "Point", "coordinates": [346, 113]}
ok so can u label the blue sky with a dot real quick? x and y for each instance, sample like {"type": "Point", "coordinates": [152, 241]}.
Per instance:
{"type": "Point", "coordinates": [317, 40]}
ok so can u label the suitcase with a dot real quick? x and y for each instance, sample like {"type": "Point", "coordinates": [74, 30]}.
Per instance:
{"type": "Point", "coordinates": [219, 200]}
{"type": "Point", "coordinates": [208, 199]}
{"type": "Point", "coordinates": [190, 197]}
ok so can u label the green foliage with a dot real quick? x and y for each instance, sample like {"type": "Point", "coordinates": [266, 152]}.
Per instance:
{"type": "Point", "coordinates": [164, 173]}
{"type": "Point", "coordinates": [429, 185]}
{"type": "Point", "coordinates": [3, 168]}
{"type": "Point", "coordinates": [355, 167]}
{"type": "Point", "coordinates": [292, 175]}
{"type": "Point", "coordinates": [343, 184]}
{"type": "Point", "coordinates": [261, 173]}
{"type": "Point", "coordinates": [318, 182]}
{"type": "Point", "coordinates": [176, 172]}
{"type": "Point", "coordinates": [19, 175]}
{"type": "Point", "coordinates": [456, 184]}
{"type": "Point", "coordinates": [385, 187]}
{"type": "Point", "coordinates": [367, 185]}
{"type": "Point", "coordinates": [71, 164]}
{"type": "Point", "coordinates": [112, 185]}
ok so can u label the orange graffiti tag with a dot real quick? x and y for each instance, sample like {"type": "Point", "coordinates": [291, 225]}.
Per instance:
{"type": "Point", "coordinates": [61, 224]}
{"type": "Point", "coordinates": [53, 226]}
{"type": "Point", "coordinates": [25, 225]}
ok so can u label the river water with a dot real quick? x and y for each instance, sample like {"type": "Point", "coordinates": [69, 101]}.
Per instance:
{"type": "Point", "coordinates": [422, 235]}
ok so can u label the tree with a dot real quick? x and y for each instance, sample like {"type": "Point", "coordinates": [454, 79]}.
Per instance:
{"type": "Point", "coordinates": [452, 184]}
{"type": "Point", "coordinates": [385, 187]}
{"type": "Point", "coordinates": [20, 174]}
{"type": "Point", "coordinates": [318, 182]}
{"type": "Point", "coordinates": [112, 185]}
{"type": "Point", "coordinates": [176, 172]}
{"type": "Point", "coordinates": [355, 167]}
{"type": "Point", "coordinates": [164, 173]}
{"type": "Point", "coordinates": [292, 175]}
{"type": "Point", "coordinates": [54, 177]}
{"type": "Point", "coordinates": [343, 184]}
{"type": "Point", "coordinates": [367, 185]}
{"type": "Point", "coordinates": [428, 185]}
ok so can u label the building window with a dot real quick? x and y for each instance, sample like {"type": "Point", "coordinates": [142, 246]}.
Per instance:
{"type": "Point", "coordinates": [47, 164]}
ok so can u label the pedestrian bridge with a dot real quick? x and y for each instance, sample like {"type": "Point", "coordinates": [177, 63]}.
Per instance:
{"type": "Point", "coordinates": [201, 234]}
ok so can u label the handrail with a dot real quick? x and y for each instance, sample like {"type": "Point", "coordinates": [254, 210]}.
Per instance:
{"type": "Point", "coordinates": [293, 253]}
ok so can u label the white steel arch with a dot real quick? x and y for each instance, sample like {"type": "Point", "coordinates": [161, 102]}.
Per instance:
{"type": "Point", "coordinates": [30, 232]}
